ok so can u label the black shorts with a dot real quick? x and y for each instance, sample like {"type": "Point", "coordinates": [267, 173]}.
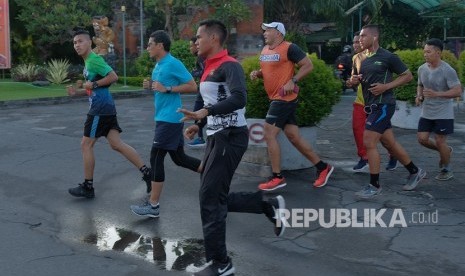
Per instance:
{"type": "Point", "coordinates": [282, 113]}
{"type": "Point", "coordinates": [439, 126]}
{"type": "Point", "coordinates": [379, 117]}
{"type": "Point", "coordinates": [97, 126]}
{"type": "Point", "coordinates": [168, 136]}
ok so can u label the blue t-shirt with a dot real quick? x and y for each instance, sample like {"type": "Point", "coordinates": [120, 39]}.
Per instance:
{"type": "Point", "coordinates": [169, 71]}
{"type": "Point", "coordinates": [101, 101]}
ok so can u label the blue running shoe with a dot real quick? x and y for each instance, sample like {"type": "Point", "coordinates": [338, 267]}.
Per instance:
{"type": "Point", "coordinates": [368, 192]}
{"type": "Point", "coordinates": [146, 209]}
{"type": "Point", "coordinates": [361, 166]}
{"type": "Point", "coordinates": [197, 142]}
{"type": "Point", "coordinates": [392, 164]}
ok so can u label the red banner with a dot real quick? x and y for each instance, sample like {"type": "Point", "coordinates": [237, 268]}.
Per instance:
{"type": "Point", "coordinates": [5, 54]}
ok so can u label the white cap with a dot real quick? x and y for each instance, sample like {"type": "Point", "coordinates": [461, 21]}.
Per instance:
{"type": "Point", "coordinates": [277, 25]}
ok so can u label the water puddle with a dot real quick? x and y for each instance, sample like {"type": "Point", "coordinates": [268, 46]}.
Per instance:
{"type": "Point", "coordinates": [167, 254]}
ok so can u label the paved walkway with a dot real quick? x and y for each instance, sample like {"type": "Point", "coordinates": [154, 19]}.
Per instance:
{"type": "Point", "coordinates": [46, 232]}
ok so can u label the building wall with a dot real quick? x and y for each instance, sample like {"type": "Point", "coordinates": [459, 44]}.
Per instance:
{"type": "Point", "coordinates": [245, 40]}
{"type": "Point", "coordinates": [249, 40]}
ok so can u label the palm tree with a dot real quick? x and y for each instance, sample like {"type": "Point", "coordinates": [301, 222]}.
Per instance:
{"type": "Point", "coordinates": [294, 12]}
{"type": "Point", "coordinates": [337, 8]}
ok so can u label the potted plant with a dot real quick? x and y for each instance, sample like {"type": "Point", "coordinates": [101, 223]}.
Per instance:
{"type": "Point", "coordinates": [319, 91]}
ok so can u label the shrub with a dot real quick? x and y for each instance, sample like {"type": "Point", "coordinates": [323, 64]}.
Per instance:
{"type": "Point", "coordinates": [57, 71]}
{"type": "Point", "coordinates": [25, 72]}
{"type": "Point", "coordinates": [75, 72]}
{"type": "Point", "coordinates": [319, 91]}
{"type": "Point", "coordinates": [132, 81]}
{"type": "Point", "coordinates": [450, 58]}
{"type": "Point", "coordinates": [462, 65]}
{"type": "Point", "coordinates": [144, 65]}
{"type": "Point", "coordinates": [414, 59]}
{"type": "Point", "coordinates": [179, 49]}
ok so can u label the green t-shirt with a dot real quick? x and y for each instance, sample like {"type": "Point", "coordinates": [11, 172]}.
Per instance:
{"type": "Point", "coordinates": [101, 101]}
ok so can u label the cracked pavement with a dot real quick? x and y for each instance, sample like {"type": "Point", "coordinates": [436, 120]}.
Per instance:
{"type": "Point", "coordinates": [47, 232]}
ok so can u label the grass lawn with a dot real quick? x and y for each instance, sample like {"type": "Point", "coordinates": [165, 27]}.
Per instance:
{"type": "Point", "coordinates": [10, 90]}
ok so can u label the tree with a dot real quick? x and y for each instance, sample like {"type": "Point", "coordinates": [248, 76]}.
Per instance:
{"type": "Point", "coordinates": [53, 21]}
{"type": "Point", "coordinates": [167, 8]}
{"type": "Point", "coordinates": [293, 12]}
{"type": "Point", "coordinates": [402, 28]}
{"type": "Point", "coordinates": [229, 12]}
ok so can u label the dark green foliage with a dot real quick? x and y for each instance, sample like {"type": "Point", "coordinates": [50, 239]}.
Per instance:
{"type": "Point", "coordinates": [132, 81]}
{"type": "Point", "coordinates": [257, 100]}
{"type": "Point", "coordinates": [144, 65]}
{"type": "Point", "coordinates": [51, 22]}
{"type": "Point", "coordinates": [414, 59]}
{"type": "Point", "coordinates": [319, 91]}
{"type": "Point", "coordinates": [298, 39]}
{"type": "Point", "coordinates": [179, 49]}
{"type": "Point", "coordinates": [28, 73]}
{"type": "Point", "coordinates": [462, 63]}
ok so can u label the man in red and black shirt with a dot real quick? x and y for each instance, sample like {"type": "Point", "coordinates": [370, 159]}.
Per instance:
{"type": "Point", "coordinates": [224, 94]}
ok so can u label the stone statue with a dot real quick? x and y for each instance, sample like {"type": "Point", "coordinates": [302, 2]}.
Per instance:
{"type": "Point", "coordinates": [104, 36]}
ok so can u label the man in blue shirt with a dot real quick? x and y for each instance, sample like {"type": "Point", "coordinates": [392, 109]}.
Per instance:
{"type": "Point", "coordinates": [169, 78]}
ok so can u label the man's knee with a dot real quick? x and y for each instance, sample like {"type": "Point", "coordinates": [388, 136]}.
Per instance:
{"type": "Point", "coordinates": [441, 140]}
{"type": "Point", "coordinates": [423, 141]}
{"type": "Point", "coordinates": [423, 138]}
{"type": "Point", "coordinates": [369, 142]}
{"type": "Point", "coordinates": [86, 144]}
{"type": "Point", "coordinates": [117, 146]}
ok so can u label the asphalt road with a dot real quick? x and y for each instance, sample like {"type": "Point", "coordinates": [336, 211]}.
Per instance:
{"type": "Point", "coordinates": [45, 231]}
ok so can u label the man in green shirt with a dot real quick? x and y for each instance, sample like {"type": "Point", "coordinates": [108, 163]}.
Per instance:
{"type": "Point", "coordinates": [101, 118]}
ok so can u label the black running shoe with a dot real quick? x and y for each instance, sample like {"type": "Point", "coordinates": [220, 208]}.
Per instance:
{"type": "Point", "coordinates": [217, 269]}
{"type": "Point", "coordinates": [147, 177]}
{"type": "Point", "coordinates": [82, 190]}
{"type": "Point", "coordinates": [277, 219]}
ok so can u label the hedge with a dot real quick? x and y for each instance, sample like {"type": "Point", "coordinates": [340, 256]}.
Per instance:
{"type": "Point", "coordinates": [319, 91]}
{"type": "Point", "coordinates": [414, 59]}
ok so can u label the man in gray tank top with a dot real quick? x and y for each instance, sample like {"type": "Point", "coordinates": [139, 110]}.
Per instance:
{"type": "Point", "coordinates": [438, 84]}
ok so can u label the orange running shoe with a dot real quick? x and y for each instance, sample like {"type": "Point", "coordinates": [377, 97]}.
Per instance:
{"type": "Point", "coordinates": [323, 176]}
{"type": "Point", "coordinates": [273, 184]}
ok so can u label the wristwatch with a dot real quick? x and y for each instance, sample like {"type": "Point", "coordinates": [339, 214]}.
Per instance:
{"type": "Point", "coordinates": [168, 89]}
{"type": "Point", "coordinates": [94, 85]}
{"type": "Point", "coordinates": [294, 80]}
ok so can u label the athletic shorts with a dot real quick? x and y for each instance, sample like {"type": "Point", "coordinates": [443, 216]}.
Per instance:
{"type": "Point", "coordinates": [379, 117]}
{"type": "Point", "coordinates": [438, 126]}
{"type": "Point", "coordinates": [282, 113]}
{"type": "Point", "coordinates": [97, 126]}
{"type": "Point", "coordinates": [168, 136]}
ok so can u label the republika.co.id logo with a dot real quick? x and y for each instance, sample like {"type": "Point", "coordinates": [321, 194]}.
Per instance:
{"type": "Point", "coordinates": [343, 218]}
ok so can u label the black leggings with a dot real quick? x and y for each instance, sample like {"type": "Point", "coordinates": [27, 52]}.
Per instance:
{"type": "Point", "coordinates": [179, 157]}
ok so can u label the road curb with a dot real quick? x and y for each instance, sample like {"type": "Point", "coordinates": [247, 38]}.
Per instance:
{"type": "Point", "coordinates": [66, 99]}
